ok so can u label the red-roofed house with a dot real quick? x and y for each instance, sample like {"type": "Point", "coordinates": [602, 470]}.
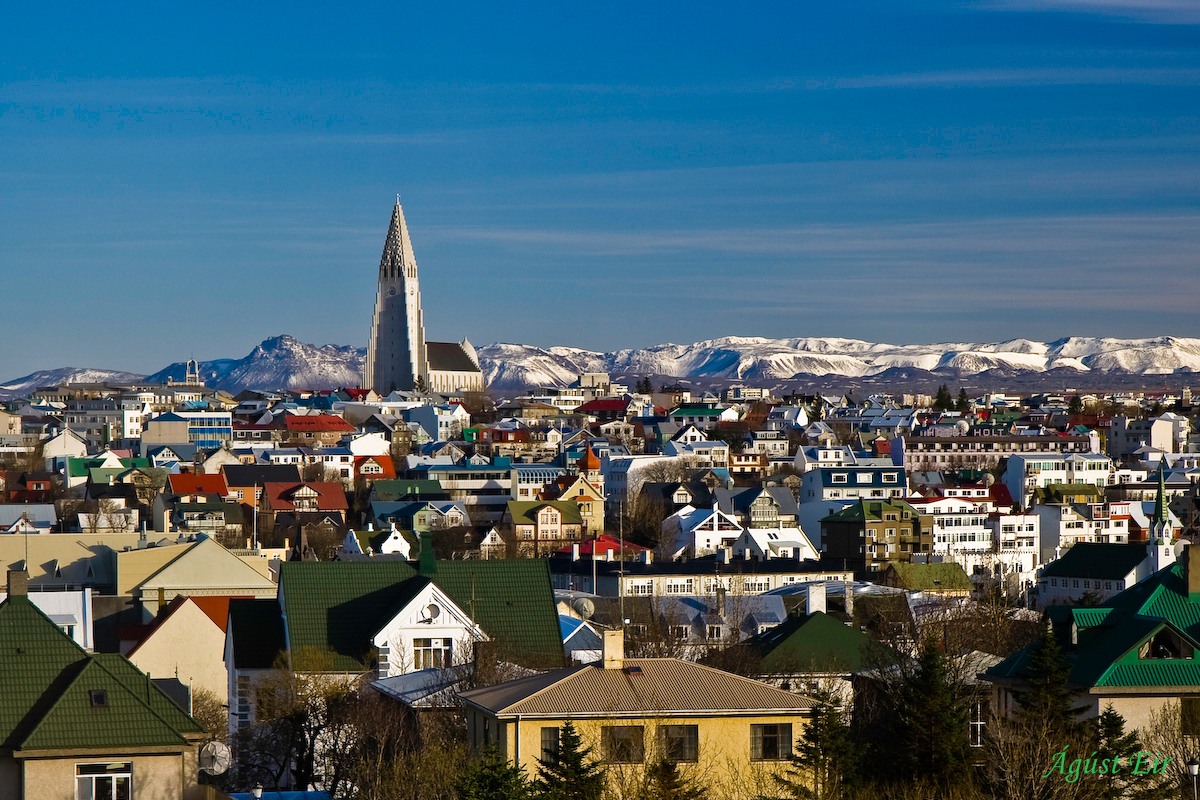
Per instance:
{"type": "Point", "coordinates": [606, 409]}
{"type": "Point", "coordinates": [187, 642]}
{"type": "Point", "coordinates": [188, 483]}
{"type": "Point", "coordinates": [605, 547]}
{"type": "Point", "coordinates": [290, 505]}
{"type": "Point", "coordinates": [313, 429]}
{"type": "Point", "coordinates": [374, 468]}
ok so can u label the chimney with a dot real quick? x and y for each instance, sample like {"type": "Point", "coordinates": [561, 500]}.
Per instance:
{"type": "Point", "coordinates": [722, 605]}
{"type": "Point", "coordinates": [647, 555]}
{"type": "Point", "coordinates": [816, 598]}
{"type": "Point", "coordinates": [427, 565]}
{"type": "Point", "coordinates": [849, 600]}
{"type": "Point", "coordinates": [614, 649]}
{"type": "Point", "coordinates": [608, 554]}
{"type": "Point", "coordinates": [1192, 570]}
{"type": "Point", "coordinates": [18, 583]}
{"type": "Point", "coordinates": [574, 552]}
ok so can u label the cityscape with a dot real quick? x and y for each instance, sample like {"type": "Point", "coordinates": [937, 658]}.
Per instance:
{"type": "Point", "coordinates": [811, 414]}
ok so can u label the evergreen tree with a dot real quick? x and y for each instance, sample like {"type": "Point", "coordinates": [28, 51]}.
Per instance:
{"type": "Point", "coordinates": [963, 403]}
{"type": "Point", "coordinates": [825, 758]}
{"type": "Point", "coordinates": [569, 774]}
{"type": "Point", "coordinates": [493, 778]}
{"type": "Point", "coordinates": [931, 733]}
{"type": "Point", "coordinates": [943, 401]}
{"type": "Point", "coordinates": [1112, 742]}
{"type": "Point", "coordinates": [1047, 694]}
{"type": "Point", "coordinates": [663, 782]}
{"type": "Point", "coordinates": [1075, 406]}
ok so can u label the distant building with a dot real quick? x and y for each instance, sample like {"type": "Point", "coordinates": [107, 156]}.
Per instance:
{"type": "Point", "coordinates": [398, 357]}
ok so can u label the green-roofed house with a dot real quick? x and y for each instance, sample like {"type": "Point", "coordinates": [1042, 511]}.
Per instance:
{"type": "Point", "coordinates": [867, 535]}
{"type": "Point", "coordinates": [541, 526]}
{"type": "Point", "coordinates": [946, 579]}
{"type": "Point", "coordinates": [384, 617]}
{"type": "Point", "coordinates": [1137, 650]}
{"type": "Point", "coordinates": [74, 723]}
{"type": "Point", "coordinates": [810, 652]}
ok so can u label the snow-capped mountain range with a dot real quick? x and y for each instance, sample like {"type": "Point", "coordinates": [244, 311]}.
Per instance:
{"type": "Point", "coordinates": [283, 362]}
{"type": "Point", "coordinates": [756, 358]}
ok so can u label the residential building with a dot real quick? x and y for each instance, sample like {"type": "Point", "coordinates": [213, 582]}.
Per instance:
{"type": "Point", "coordinates": [1135, 651]}
{"type": "Point", "coordinates": [74, 722]}
{"type": "Point", "coordinates": [867, 534]}
{"type": "Point", "coordinates": [941, 453]}
{"type": "Point", "coordinates": [734, 731]}
{"type": "Point", "coordinates": [650, 578]}
{"type": "Point", "coordinates": [541, 526]}
{"type": "Point", "coordinates": [1100, 571]}
{"type": "Point", "coordinates": [1023, 474]}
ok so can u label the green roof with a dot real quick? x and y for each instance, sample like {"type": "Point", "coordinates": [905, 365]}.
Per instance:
{"type": "Point", "coordinates": [930, 577]}
{"type": "Point", "coordinates": [47, 682]}
{"type": "Point", "coordinates": [523, 511]}
{"type": "Point", "coordinates": [813, 643]}
{"type": "Point", "coordinates": [864, 510]}
{"type": "Point", "coordinates": [391, 490]}
{"type": "Point", "coordinates": [1110, 636]}
{"type": "Point", "coordinates": [342, 604]}
{"type": "Point", "coordinates": [1059, 492]}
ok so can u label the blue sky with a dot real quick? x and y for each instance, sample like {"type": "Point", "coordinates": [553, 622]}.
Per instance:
{"type": "Point", "coordinates": [187, 182]}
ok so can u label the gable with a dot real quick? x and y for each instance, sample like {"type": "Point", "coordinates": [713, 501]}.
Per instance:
{"type": "Point", "coordinates": [416, 615]}
{"type": "Point", "coordinates": [207, 565]}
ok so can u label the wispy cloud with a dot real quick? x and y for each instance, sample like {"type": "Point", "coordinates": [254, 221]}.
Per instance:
{"type": "Point", "coordinates": [1185, 12]}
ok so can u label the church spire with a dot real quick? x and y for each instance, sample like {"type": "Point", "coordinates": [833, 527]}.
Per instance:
{"type": "Point", "coordinates": [1160, 498]}
{"type": "Point", "coordinates": [398, 260]}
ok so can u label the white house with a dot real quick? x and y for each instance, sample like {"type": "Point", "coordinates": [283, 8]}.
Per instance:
{"type": "Point", "coordinates": [692, 532]}
{"type": "Point", "coordinates": [428, 632]}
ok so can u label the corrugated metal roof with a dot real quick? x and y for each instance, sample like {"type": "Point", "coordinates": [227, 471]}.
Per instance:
{"type": "Point", "coordinates": [644, 685]}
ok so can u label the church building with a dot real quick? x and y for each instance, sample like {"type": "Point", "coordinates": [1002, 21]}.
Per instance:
{"type": "Point", "coordinates": [398, 357]}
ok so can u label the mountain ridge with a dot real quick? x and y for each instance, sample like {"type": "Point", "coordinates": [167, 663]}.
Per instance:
{"type": "Point", "coordinates": [284, 362]}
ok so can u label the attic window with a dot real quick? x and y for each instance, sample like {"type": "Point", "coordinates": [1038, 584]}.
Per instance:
{"type": "Point", "coordinates": [98, 698]}
{"type": "Point", "coordinates": [633, 670]}
{"type": "Point", "coordinates": [1165, 644]}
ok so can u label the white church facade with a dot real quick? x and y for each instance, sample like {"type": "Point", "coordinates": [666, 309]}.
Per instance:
{"type": "Point", "coordinates": [398, 357]}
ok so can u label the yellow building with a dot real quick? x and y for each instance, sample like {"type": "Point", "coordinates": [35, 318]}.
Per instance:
{"type": "Point", "coordinates": [729, 733]}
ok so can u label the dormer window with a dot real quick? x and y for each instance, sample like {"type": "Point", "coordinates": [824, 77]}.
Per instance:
{"type": "Point", "coordinates": [1166, 644]}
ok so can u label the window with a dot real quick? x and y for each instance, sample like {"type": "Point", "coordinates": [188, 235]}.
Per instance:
{"type": "Point", "coordinates": [714, 631]}
{"type": "Point", "coordinates": [1189, 715]}
{"type": "Point", "coordinates": [623, 744]}
{"type": "Point", "coordinates": [771, 742]}
{"type": "Point", "coordinates": [431, 653]}
{"type": "Point", "coordinates": [977, 723]}
{"type": "Point", "coordinates": [550, 743]}
{"type": "Point", "coordinates": [679, 742]}
{"type": "Point", "coordinates": [104, 781]}
{"type": "Point", "coordinates": [679, 631]}
{"type": "Point", "coordinates": [889, 477]}
{"type": "Point", "coordinates": [839, 478]}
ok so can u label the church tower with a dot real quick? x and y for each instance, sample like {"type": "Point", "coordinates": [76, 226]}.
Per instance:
{"type": "Point", "coordinates": [396, 356]}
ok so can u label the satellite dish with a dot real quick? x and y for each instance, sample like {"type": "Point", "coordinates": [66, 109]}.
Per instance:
{"type": "Point", "coordinates": [584, 607]}
{"type": "Point", "coordinates": [431, 612]}
{"type": "Point", "coordinates": [214, 758]}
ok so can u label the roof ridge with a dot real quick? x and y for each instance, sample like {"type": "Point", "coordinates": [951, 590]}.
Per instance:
{"type": "Point", "coordinates": [150, 687]}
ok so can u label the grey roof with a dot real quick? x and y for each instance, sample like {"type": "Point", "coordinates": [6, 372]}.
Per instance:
{"type": "Point", "coordinates": [1097, 560]}
{"type": "Point", "coordinates": [738, 501]}
{"type": "Point", "coordinates": [449, 357]}
{"type": "Point", "coordinates": [34, 512]}
{"type": "Point", "coordinates": [643, 686]}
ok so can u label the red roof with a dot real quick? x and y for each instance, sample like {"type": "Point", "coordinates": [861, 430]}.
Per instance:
{"type": "Point", "coordinates": [605, 404]}
{"type": "Point", "coordinates": [215, 607]}
{"type": "Point", "coordinates": [187, 483]}
{"type": "Point", "coordinates": [589, 462]}
{"type": "Point", "coordinates": [1000, 495]}
{"type": "Point", "coordinates": [330, 496]}
{"type": "Point", "coordinates": [316, 423]}
{"type": "Point", "coordinates": [603, 545]}
{"type": "Point", "coordinates": [384, 462]}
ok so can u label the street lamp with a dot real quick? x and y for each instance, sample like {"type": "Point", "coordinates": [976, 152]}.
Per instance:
{"type": "Point", "coordinates": [257, 790]}
{"type": "Point", "coordinates": [1193, 769]}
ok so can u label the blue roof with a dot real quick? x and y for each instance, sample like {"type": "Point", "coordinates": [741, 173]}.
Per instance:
{"type": "Point", "coordinates": [568, 625]}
